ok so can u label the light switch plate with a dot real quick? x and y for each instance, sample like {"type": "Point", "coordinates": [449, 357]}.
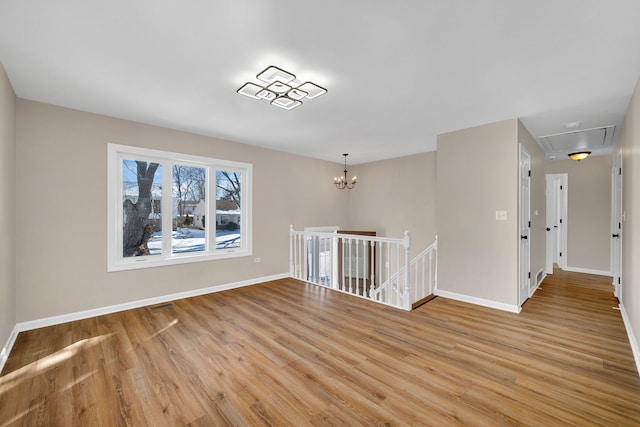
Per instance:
{"type": "Point", "coordinates": [501, 215]}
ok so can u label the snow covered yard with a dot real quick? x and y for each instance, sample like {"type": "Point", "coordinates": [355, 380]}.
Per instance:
{"type": "Point", "coordinates": [193, 240]}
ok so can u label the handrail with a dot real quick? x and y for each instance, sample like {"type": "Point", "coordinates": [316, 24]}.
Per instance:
{"type": "Point", "coordinates": [427, 252]}
{"type": "Point", "coordinates": [414, 261]}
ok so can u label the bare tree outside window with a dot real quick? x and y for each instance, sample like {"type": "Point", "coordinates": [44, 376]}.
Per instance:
{"type": "Point", "coordinates": [189, 185]}
{"type": "Point", "coordinates": [189, 199]}
{"type": "Point", "coordinates": [228, 186]}
{"type": "Point", "coordinates": [168, 208]}
{"type": "Point", "coordinates": [228, 209]}
{"type": "Point", "coordinates": [138, 180]}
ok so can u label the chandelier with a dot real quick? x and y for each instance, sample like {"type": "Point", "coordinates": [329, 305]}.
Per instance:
{"type": "Point", "coordinates": [281, 88]}
{"type": "Point", "coordinates": [343, 182]}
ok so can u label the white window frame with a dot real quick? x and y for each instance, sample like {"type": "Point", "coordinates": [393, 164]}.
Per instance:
{"type": "Point", "coordinates": [117, 153]}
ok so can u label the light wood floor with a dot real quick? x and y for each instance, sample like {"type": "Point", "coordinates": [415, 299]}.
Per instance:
{"type": "Point", "coordinates": [288, 353]}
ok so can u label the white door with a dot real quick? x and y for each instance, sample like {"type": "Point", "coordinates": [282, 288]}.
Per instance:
{"type": "Point", "coordinates": [551, 222]}
{"type": "Point", "coordinates": [524, 224]}
{"type": "Point", "coordinates": [556, 221]}
{"type": "Point", "coordinates": [616, 226]}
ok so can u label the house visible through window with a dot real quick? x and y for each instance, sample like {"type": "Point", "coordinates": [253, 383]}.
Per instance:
{"type": "Point", "coordinates": [159, 202]}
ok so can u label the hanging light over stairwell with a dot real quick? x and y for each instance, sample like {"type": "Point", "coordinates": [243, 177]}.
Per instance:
{"type": "Point", "coordinates": [342, 182]}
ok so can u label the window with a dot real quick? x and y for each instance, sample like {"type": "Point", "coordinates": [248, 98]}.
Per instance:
{"type": "Point", "coordinates": [158, 202]}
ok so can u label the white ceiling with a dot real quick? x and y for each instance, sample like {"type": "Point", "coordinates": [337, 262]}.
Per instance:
{"type": "Point", "coordinates": [398, 72]}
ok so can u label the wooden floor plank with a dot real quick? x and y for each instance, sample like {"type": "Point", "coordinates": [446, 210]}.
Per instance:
{"type": "Point", "coordinates": [291, 353]}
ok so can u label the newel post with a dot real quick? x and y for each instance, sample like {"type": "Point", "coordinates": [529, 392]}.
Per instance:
{"type": "Point", "coordinates": [291, 234]}
{"type": "Point", "coordinates": [406, 299]}
{"type": "Point", "coordinates": [435, 274]}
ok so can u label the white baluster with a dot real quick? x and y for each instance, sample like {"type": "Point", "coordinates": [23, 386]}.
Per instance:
{"type": "Point", "coordinates": [372, 276]}
{"type": "Point", "coordinates": [358, 266]}
{"type": "Point", "coordinates": [291, 235]}
{"type": "Point", "coordinates": [305, 252]}
{"type": "Point", "coordinates": [407, 273]}
{"type": "Point", "coordinates": [430, 276]}
{"type": "Point", "coordinates": [343, 285]}
{"type": "Point", "coordinates": [335, 282]}
{"type": "Point", "coordinates": [395, 300]}
{"type": "Point", "coordinates": [435, 267]}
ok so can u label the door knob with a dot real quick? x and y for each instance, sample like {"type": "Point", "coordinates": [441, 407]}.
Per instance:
{"type": "Point", "coordinates": [548, 229]}
{"type": "Point", "coordinates": [524, 237]}
{"type": "Point", "coordinates": [615, 235]}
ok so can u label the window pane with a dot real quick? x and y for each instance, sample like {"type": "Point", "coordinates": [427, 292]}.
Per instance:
{"type": "Point", "coordinates": [189, 209]}
{"type": "Point", "coordinates": [141, 215]}
{"type": "Point", "coordinates": [228, 208]}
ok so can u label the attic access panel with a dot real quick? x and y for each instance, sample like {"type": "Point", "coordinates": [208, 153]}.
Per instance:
{"type": "Point", "coordinates": [578, 140]}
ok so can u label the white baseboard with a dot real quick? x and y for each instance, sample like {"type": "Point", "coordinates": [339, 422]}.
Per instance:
{"type": "Point", "coordinates": [63, 318]}
{"type": "Point", "coordinates": [632, 337]}
{"type": "Point", "coordinates": [587, 271]}
{"type": "Point", "coordinates": [478, 301]}
{"type": "Point", "coordinates": [4, 354]}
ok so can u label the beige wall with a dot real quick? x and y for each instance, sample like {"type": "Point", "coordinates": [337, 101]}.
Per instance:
{"type": "Point", "coordinates": [538, 203]}
{"type": "Point", "coordinates": [396, 195]}
{"type": "Point", "coordinates": [477, 171]}
{"type": "Point", "coordinates": [629, 143]}
{"type": "Point", "coordinates": [588, 211]}
{"type": "Point", "coordinates": [478, 175]}
{"type": "Point", "coordinates": [7, 207]}
{"type": "Point", "coordinates": [62, 208]}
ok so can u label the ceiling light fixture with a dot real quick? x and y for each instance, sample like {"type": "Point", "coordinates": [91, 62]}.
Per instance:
{"type": "Point", "coordinates": [281, 88]}
{"type": "Point", "coordinates": [579, 155]}
{"type": "Point", "coordinates": [343, 182]}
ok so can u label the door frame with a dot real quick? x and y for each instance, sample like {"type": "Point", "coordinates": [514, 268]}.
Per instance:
{"type": "Point", "coordinates": [616, 226]}
{"type": "Point", "coordinates": [524, 225]}
{"type": "Point", "coordinates": [556, 196]}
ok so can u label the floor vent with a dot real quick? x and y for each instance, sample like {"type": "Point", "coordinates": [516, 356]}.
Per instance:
{"type": "Point", "coordinates": [160, 306]}
{"type": "Point", "coordinates": [539, 277]}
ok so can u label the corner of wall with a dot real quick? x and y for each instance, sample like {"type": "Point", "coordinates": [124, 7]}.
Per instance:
{"type": "Point", "coordinates": [8, 316]}
{"type": "Point", "coordinates": [476, 168]}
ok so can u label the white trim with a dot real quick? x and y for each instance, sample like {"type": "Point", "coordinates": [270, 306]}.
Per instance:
{"type": "Point", "coordinates": [587, 271]}
{"type": "Point", "coordinates": [560, 203]}
{"type": "Point", "coordinates": [63, 318]}
{"type": "Point", "coordinates": [524, 225]}
{"type": "Point", "coordinates": [564, 214]}
{"type": "Point", "coordinates": [478, 301]}
{"type": "Point", "coordinates": [117, 153]}
{"type": "Point", "coordinates": [4, 354]}
{"type": "Point", "coordinates": [632, 338]}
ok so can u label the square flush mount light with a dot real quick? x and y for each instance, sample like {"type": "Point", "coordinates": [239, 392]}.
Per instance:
{"type": "Point", "coordinates": [281, 88]}
{"type": "Point", "coordinates": [272, 74]}
{"type": "Point", "coordinates": [251, 90]}
{"type": "Point", "coordinates": [312, 89]}
{"type": "Point", "coordinates": [286, 103]}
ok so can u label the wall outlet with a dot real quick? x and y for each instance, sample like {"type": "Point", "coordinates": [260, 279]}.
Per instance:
{"type": "Point", "coordinates": [256, 260]}
{"type": "Point", "coordinates": [501, 215]}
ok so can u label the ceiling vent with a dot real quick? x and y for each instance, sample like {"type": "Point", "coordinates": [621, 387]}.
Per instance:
{"type": "Point", "coordinates": [594, 139]}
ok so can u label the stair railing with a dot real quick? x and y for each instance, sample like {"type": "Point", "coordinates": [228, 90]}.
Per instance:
{"type": "Point", "coordinates": [424, 275]}
{"type": "Point", "coordinates": [371, 267]}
